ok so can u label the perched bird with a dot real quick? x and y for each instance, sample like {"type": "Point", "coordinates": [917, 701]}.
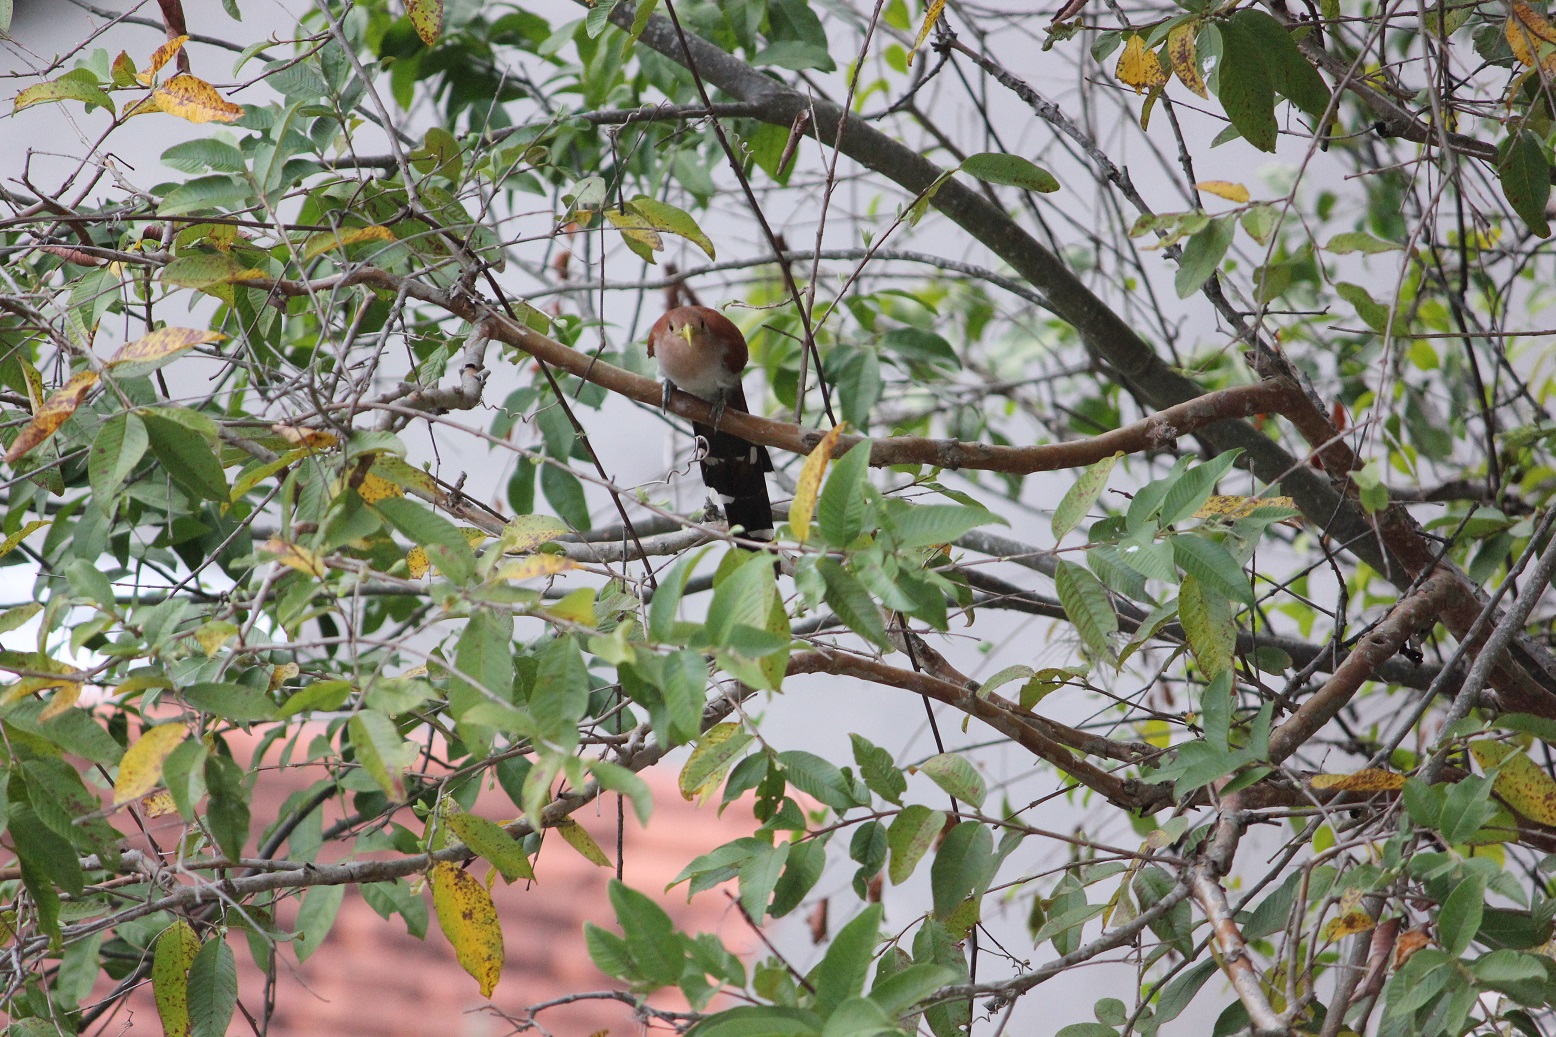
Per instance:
{"type": "Point", "coordinates": [700, 351]}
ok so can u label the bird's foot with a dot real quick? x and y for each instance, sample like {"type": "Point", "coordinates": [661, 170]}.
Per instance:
{"type": "Point", "coordinates": [664, 401]}
{"type": "Point", "coordinates": [718, 413]}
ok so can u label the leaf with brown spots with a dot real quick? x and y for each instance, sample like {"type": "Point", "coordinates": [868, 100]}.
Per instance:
{"type": "Point", "coordinates": [150, 352]}
{"type": "Point", "coordinates": [159, 57]}
{"type": "Point", "coordinates": [1369, 780]}
{"type": "Point", "coordinates": [1138, 67]}
{"type": "Point", "coordinates": [1183, 55]}
{"type": "Point", "coordinates": [191, 98]}
{"type": "Point", "coordinates": [56, 410]}
{"type": "Point", "coordinates": [469, 920]}
{"type": "Point", "coordinates": [1522, 783]}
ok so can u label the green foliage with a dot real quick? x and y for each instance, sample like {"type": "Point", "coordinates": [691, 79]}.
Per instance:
{"type": "Point", "coordinates": [315, 459]}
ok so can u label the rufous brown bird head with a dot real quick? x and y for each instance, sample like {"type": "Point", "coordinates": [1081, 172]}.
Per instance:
{"type": "Point", "coordinates": [699, 350]}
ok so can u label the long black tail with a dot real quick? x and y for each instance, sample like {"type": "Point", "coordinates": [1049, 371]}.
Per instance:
{"type": "Point", "coordinates": [736, 471]}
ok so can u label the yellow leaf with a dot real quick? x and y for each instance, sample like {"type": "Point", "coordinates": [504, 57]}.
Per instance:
{"type": "Point", "coordinates": [1369, 780]}
{"type": "Point", "coordinates": [469, 920]}
{"type": "Point", "coordinates": [1138, 67]}
{"type": "Point", "coordinates": [1534, 21]}
{"type": "Point", "coordinates": [158, 804]}
{"type": "Point", "coordinates": [145, 106]}
{"type": "Point", "coordinates": [575, 607]}
{"type": "Point", "coordinates": [295, 556]}
{"type": "Point", "coordinates": [575, 836]}
{"type": "Point", "coordinates": [281, 674]}
{"type": "Point", "coordinates": [931, 16]}
{"type": "Point", "coordinates": [62, 700]}
{"type": "Point", "coordinates": [162, 344]}
{"type": "Point", "coordinates": [809, 486]}
{"type": "Point", "coordinates": [26, 531]}
{"type": "Point", "coordinates": [141, 767]}
{"type": "Point", "coordinates": [63, 90]}
{"type": "Point", "coordinates": [1520, 40]}
{"type": "Point", "coordinates": [54, 413]}
{"type": "Point", "coordinates": [323, 242]}
{"type": "Point", "coordinates": [419, 564]}
{"type": "Point", "coordinates": [1224, 189]}
{"type": "Point", "coordinates": [196, 100]}
{"type": "Point", "coordinates": [1522, 783]}
{"type": "Point", "coordinates": [211, 636]}
{"type": "Point", "coordinates": [1183, 55]}
{"type": "Point", "coordinates": [534, 566]}
{"type": "Point", "coordinates": [636, 227]}
{"type": "Point", "coordinates": [161, 56]}
{"type": "Point", "coordinates": [1348, 924]}
{"type": "Point", "coordinates": [426, 18]}
{"type": "Point", "coordinates": [31, 686]}
{"type": "Point", "coordinates": [527, 532]}
{"type": "Point", "coordinates": [374, 488]}
{"type": "Point", "coordinates": [312, 438]}
{"type": "Point", "coordinates": [176, 950]}
{"type": "Point", "coordinates": [1234, 507]}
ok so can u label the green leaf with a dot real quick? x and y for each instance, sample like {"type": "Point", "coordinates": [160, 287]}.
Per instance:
{"type": "Point", "coordinates": [1525, 172]}
{"type": "Point", "coordinates": [923, 346]}
{"type": "Point", "coordinates": [1243, 84]}
{"type": "Point", "coordinates": [1086, 604]}
{"type": "Point", "coordinates": [666, 217]}
{"type": "Point", "coordinates": [841, 973]}
{"type": "Point", "coordinates": [848, 598]}
{"type": "Point", "coordinates": [1203, 253]}
{"type": "Point", "coordinates": [650, 936]}
{"type": "Point", "coordinates": [1194, 487]}
{"type": "Point", "coordinates": [381, 751]}
{"type": "Point", "coordinates": [566, 494]}
{"type": "Point", "coordinates": [841, 508]}
{"type": "Point", "coordinates": [1290, 73]}
{"type": "Point", "coordinates": [923, 525]}
{"type": "Point", "coordinates": [116, 450]}
{"type": "Point", "coordinates": [1079, 498]}
{"type": "Point", "coordinates": [742, 597]}
{"type": "Point", "coordinates": [66, 88]}
{"type": "Point", "coordinates": [900, 991]}
{"type": "Point", "coordinates": [911, 833]}
{"type": "Point", "coordinates": [963, 865]}
{"type": "Point", "coordinates": [227, 811]}
{"type": "Point", "coordinates": [1213, 565]}
{"type": "Point", "coordinates": [213, 988]}
{"type": "Point", "coordinates": [188, 460]}
{"type": "Point", "coordinates": [666, 603]}
{"type": "Point", "coordinates": [43, 852]}
{"type": "Point", "coordinates": [957, 777]}
{"type": "Point", "coordinates": [1207, 620]}
{"type": "Point", "coordinates": [235, 702]}
{"type": "Point", "coordinates": [880, 773]}
{"type": "Point", "coordinates": [1010, 170]}
{"type": "Point", "coordinates": [817, 777]}
{"type": "Point", "coordinates": [1177, 995]}
{"type": "Point", "coordinates": [758, 1021]}
{"type": "Point", "coordinates": [316, 917]}
{"type": "Point", "coordinates": [1359, 241]}
{"type": "Point", "coordinates": [1461, 914]}
{"type": "Point", "coordinates": [488, 839]}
